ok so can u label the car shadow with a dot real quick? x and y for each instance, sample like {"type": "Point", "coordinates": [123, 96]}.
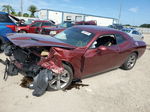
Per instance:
{"type": "Point", "coordinates": [77, 84]}
{"type": "Point", "coordinates": [99, 73]}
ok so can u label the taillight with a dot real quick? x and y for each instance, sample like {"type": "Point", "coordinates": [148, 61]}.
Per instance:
{"type": "Point", "coordinates": [13, 27]}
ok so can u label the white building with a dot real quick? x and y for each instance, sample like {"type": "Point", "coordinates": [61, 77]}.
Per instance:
{"type": "Point", "coordinates": [60, 16]}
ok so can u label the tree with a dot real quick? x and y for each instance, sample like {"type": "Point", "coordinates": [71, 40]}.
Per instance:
{"type": "Point", "coordinates": [145, 25]}
{"type": "Point", "coordinates": [32, 9]}
{"type": "Point", "coordinates": [19, 14]}
{"type": "Point", "coordinates": [8, 9]}
{"type": "Point", "coordinates": [25, 15]}
{"type": "Point", "coordinates": [13, 13]}
{"type": "Point", "coordinates": [127, 25]}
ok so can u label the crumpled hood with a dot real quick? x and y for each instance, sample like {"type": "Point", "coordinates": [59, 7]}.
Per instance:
{"type": "Point", "coordinates": [30, 40]}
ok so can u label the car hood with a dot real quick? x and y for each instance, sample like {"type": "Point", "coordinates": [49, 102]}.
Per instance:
{"type": "Point", "coordinates": [31, 40]}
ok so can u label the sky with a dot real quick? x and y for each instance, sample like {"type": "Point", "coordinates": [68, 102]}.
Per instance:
{"type": "Point", "coordinates": [133, 12]}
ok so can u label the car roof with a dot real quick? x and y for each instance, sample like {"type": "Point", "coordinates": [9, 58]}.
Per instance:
{"type": "Point", "coordinates": [3, 12]}
{"type": "Point", "coordinates": [131, 29]}
{"type": "Point", "coordinates": [97, 29]}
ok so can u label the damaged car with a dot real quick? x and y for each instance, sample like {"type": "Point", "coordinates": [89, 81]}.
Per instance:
{"type": "Point", "coordinates": [75, 53]}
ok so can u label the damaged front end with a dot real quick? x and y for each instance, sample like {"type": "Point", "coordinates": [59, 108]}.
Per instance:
{"type": "Point", "coordinates": [37, 58]}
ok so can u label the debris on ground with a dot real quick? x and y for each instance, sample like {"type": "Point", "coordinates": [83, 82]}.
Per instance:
{"type": "Point", "coordinates": [76, 84]}
{"type": "Point", "coordinates": [26, 81]}
{"type": "Point", "coordinates": [41, 86]}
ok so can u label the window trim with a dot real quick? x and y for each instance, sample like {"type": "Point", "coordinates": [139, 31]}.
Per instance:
{"type": "Point", "coordinates": [100, 37]}
{"type": "Point", "coordinates": [114, 34]}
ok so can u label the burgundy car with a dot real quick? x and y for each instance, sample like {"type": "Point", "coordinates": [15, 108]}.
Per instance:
{"type": "Point", "coordinates": [35, 26]}
{"type": "Point", "coordinates": [75, 53]}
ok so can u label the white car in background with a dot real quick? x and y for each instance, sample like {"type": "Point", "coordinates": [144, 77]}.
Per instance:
{"type": "Point", "coordinates": [136, 35]}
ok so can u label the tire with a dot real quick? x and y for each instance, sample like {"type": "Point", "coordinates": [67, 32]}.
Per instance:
{"type": "Point", "coordinates": [1, 44]}
{"type": "Point", "coordinates": [22, 31]}
{"type": "Point", "coordinates": [130, 62]}
{"type": "Point", "coordinates": [64, 80]}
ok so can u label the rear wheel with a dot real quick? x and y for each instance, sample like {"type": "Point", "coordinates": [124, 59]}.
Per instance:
{"type": "Point", "coordinates": [130, 62]}
{"type": "Point", "coordinates": [62, 81]}
{"type": "Point", "coordinates": [1, 44]}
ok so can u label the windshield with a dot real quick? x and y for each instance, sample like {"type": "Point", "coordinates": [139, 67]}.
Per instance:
{"type": "Point", "coordinates": [29, 21]}
{"type": "Point", "coordinates": [75, 36]}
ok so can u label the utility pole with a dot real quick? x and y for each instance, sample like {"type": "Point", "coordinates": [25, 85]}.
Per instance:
{"type": "Point", "coordinates": [120, 11]}
{"type": "Point", "coordinates": [21, 6]}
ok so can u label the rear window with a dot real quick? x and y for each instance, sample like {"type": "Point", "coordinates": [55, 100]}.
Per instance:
{"type": "Point", "coordinates": [120, 39]}
{"type": "Point", "coordinates": [4, 18]}
{"type": "Point", "coordinates": [135, 32]}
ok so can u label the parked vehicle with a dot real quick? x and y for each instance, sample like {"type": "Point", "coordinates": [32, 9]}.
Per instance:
{"type": "Point", "coordinates": [59, 28]}
{"type": "Point", "coordinates": [86, 23]}
{"type": "Point", "coordinates": [35, 27]}
{"type": "Point", "coordinates": [134, 33]}
{"type": "Point", "coordinates": [28, 20]}
{"type": "Point", "coordinates": [116, 26]}
{"type": "Point", "coordinates": [65, 25]}
{"type": "Point", "coordinates": [77, 52]}
{"type": "Point", "coordinates": [7, 25]}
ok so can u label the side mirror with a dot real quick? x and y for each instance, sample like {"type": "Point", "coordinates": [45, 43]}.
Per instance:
{"type": "Point", "coordinates": [102, 48]}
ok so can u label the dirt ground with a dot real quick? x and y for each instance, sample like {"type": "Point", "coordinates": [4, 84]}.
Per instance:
{"type": "Point", "coordinates": [114, 91]}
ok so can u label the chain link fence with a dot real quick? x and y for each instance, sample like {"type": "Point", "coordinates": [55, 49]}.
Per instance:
{"type": "Point", "coordinates": [144, 30]}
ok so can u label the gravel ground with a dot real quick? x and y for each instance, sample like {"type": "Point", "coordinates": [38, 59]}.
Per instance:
{"type": "Point", "coordinates": [114, 91]}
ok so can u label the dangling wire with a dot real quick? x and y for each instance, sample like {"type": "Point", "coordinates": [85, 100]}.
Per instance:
{"type": "Point", "coordinates": [6, 69]}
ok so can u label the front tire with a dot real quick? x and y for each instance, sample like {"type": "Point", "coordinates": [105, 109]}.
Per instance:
{"type": "Point", "coordinates": [1, 44]}
{"type": "Point", "coordinates": [130, 62]}
{"type": "Point", "coordinates": [62, 81]}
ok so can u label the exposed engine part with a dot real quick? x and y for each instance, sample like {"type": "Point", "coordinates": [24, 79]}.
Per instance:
{"type": "Point", "coordinates": [26, 81]}
{"type": "Point", "coordinates": [10, 69]}
{"type": "Point", "coordinates": [22, 55]}
{"type": "Point", "coordinates": [33, 62]}
{"type": "Point", "coordinates": [24, 59]}
{"type": "Point", "coordinates": [8, 49]}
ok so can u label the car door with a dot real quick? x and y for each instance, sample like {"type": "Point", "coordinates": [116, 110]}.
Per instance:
{"type": "Point", "coordinates": [34, 27]}
{"type": "Point", "coordinates": [100, 58]}
{"type": "Point", "coordinates": [125, 47]}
